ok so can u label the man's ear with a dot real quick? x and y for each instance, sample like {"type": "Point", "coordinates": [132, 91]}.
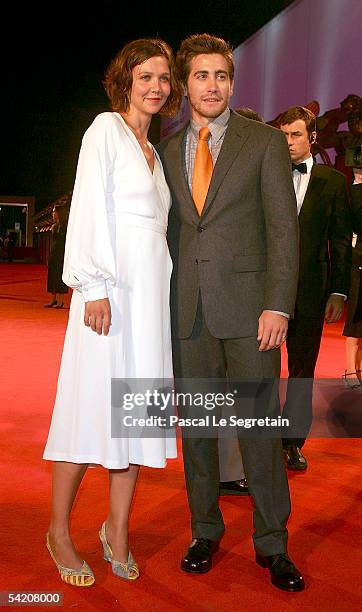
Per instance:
{"type": "Point", "coordinates": [231, 88]}
{"type": "Point", "coordinates": [313, 137]}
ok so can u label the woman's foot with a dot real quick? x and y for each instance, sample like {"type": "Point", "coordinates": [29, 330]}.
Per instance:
{"type": "Point", "coordinates": [64, 551]}
{"type": "Point", "coordinates": [116, 539]}
{"type": "Point", "coordinates": [51, 305]}
{"type": "Point", "coordinates": [78, 577]}
{"type": "Point", "coordinates": [352, 380]}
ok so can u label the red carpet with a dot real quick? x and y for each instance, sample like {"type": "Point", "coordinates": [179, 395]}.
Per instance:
{"type": "Point", "coordinates": [325, 526]}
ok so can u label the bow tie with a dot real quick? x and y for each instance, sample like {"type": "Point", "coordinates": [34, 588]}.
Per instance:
{"type": "Point", "coordinates": [302, 168]}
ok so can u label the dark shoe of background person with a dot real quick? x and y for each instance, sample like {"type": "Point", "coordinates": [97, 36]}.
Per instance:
{"type": "Point", "coordinates": [294, 458]}
{"type": "Point", "coordinates": [283, 573]}
{"type": "Point", "coordinates": [51, 305]}
{"type": "Point", "coordinates": [234, 487]}
{"type": "Point", "coordinates": [59, 305]}
{"type": "Point", "coordinates": [198, 559]}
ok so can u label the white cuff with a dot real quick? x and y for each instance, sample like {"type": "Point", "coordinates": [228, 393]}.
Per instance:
{"type": "Point", "coordinates": [341, 294]}
{"type": "Point", "coordinates": [284, 314]}
{"type": "Point", "coordinates": [95, 291]}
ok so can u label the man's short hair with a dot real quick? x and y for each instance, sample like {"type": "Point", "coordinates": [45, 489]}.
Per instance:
{"type": "Point", "coordinates": [198, 44]}
{"type": "Point", "coordinates": [249, 113]}
{"type": "Point", "coordinates": [299, 112]}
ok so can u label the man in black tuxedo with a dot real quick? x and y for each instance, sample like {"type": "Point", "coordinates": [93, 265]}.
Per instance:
{"type": "Point", "coordinates": [233, 236]}
{"type": "Point", "coordinates": [324, 271]}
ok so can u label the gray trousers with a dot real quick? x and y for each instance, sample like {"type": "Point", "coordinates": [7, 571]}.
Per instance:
{"type": "Point", "coordinates": [230, 461]}
{"type": "Point", "coordinates": [204, 356]}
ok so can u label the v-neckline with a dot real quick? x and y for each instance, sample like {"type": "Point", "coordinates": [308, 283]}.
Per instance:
{"type": "Point", "coordinates": [152, 172]}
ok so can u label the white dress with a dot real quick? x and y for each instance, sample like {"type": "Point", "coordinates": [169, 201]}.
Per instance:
{"type": "Point", "coordinates": [116, 247]}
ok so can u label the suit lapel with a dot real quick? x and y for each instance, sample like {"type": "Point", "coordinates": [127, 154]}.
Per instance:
{"type": "Point", "coordinates": [234, 139]}
{"type": "Point", "coordinates": [175, 167]}
{"type": "Point", "coordinates": [315, 187]}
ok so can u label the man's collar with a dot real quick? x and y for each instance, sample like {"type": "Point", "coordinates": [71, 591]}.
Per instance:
{"type": "Point", "coordinates": [217, 126]}
{"type": "Point", "coordinates": [309, 162]}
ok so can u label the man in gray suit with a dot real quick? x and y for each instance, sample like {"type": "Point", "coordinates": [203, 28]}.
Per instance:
{"type": "Point", "coordinates": [235, 254]}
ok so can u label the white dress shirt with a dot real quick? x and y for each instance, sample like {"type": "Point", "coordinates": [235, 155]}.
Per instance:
{"type": "Point", "coordinates": [301, 182]}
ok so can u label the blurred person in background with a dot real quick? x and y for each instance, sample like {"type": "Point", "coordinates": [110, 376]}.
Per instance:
{"type": "Point", "coordinates": [55, 285]}
{"type": "Point", "coordinates": [353, 326]}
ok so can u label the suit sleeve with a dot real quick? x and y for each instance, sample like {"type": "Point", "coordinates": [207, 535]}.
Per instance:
{"type": "Point", "coordinates": [281, 223]}
{"type": "Point", "coordinates": [340, 240]}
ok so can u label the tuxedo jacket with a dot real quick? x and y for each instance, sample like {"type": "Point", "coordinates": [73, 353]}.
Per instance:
{"type": "Point", "coordinates": [325, 241]}
{"type": "Point", "coordinates": [241, 255]}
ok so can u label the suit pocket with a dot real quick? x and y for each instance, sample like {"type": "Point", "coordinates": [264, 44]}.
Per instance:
{"type": "Point", "coordinates": [253, 262]}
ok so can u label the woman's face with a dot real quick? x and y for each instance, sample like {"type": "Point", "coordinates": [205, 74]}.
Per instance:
{"type": "Point", "coordinates": [55, 215]}
{"type": "Point", "coordinates": [150, 86]}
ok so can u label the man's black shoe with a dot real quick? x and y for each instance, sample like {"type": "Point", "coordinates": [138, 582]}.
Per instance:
{"type": "Point", "coordinates": [283, 573]}
{"type": "Point", "coordinates": [198, 559]}
{"type": "Point", "coordinates": [294, 458]}
{"type": "Point", "coordinates": [234, 487]}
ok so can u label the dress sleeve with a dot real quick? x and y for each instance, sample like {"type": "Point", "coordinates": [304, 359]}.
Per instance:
{"type": "Point", "coordinates": [89, 259]}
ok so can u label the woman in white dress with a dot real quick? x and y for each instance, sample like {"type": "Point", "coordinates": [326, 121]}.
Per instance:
{"type": "Point", "coordinates": [117, 262]}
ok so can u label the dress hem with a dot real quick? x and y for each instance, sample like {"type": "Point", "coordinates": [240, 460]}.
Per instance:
{"type": "Point", "coordinates": [106, 464]}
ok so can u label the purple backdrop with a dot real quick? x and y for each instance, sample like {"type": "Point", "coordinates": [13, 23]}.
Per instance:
{"type": "Point", "coordinates": [310, 51]}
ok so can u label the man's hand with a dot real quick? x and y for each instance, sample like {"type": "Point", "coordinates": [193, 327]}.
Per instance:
{"type": "Point", "coordinates": [334, 308]}
{"type": "Point", "coordinates": [97, 315]}
{"type": "Point", "coordinates": [272, 330]}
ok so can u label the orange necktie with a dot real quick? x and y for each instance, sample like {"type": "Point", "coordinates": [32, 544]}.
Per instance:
{"type": "Point", "coordinates": [202, 170]}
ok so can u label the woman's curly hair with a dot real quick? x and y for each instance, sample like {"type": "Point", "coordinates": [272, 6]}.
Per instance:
{"type": "Point", "coordinates": [118, 78]}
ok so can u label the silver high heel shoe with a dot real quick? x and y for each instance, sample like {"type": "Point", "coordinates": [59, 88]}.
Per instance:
{"type": "Point", "coordinates": [128, 570]}
{"type": "Point", "coordinates": [82, 577]}
{"type": "Point", "coordinates": [354, 382]}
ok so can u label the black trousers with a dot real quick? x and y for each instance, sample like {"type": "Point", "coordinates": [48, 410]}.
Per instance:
{"type": "Point", "coordinates": [204, 356]}
{"type": "Point", "coordinates": [303, 343]}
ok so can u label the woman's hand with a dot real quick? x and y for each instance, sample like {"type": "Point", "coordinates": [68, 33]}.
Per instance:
{"type": "Point", "coordinates": [97, 315]}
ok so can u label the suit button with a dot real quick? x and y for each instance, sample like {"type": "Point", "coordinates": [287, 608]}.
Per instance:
{"type": "Point", "coordinates": [200, 228]}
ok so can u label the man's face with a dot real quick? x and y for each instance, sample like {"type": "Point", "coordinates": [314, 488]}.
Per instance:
{"type": "Point", "coordinates": [209, 87]}
{"type": "Point", "coordinates": [298, 140]}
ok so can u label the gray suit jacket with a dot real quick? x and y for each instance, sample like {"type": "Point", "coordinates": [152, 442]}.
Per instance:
{"type": "Point", "coordinates": [242, 254]}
